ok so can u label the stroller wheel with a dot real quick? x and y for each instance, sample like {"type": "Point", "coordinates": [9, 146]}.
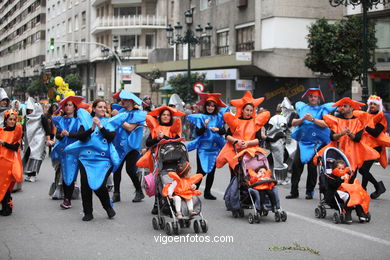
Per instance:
{"type": "Point", "coordinates": [155, 223]}
{"type": "Point", "coordinates": [176, 228]}
{"type": "Point", "coordinates": [317, 212]}
{"type": "Point", "coordinates": [368, 217]}
{"type": "Point", "coordinates": [241, 213]}
{"type": "Point", "coordinates": [257, 217]}
{"type": "Point", "coordinates": [277, 216]}
{"type": "Point", "coordinates": [283, 216]}
{"type": "Point", "coordinates": [196, 226]}
{"type": "Point", "coordinates": [188, 223]}
{"type": "Point", "coordinates": [203, 225]}
{"type": "Point", "coordinates": [250, 218]}
{"type": "Point", "coordinates": [168, 228]}
{"type": "Point", "coordinates": [336, 218]}
{"type": "Point", "coordinates": [162, 222]}
{"type": "Point", "coordinates": [323, 212]}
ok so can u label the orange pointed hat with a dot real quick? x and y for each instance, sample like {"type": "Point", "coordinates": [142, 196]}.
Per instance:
{"type": "Point", "coordinates": [77, 100]}
{"type": "Point", "coordinates": [174, 112]}
{"type": "Point", "coordinates": [354, 104]}
{"type": "Point", "coordinates": [314, 91]}
{"type": "Point", "coordinates": [246, 99]}
{"type": "Point", "coordinates": [215, 97]}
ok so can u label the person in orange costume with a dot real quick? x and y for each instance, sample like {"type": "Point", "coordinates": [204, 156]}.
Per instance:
{"type": "Point", "coordinates": [162, 125]}
{"type": "Point", "coordinates": [375, 136]}
{"type": "Point", "coordinates": [11, 170]}
{"type": "Point", "coordinates": [266, 183]}
{"type": "Point", "coordinates": [244, 129]}
{"type": "Point", "coordinates": [346, 134]}
{"type": "Point", "coordinates": [348, 194]}
{"type": "Point", "coordinates": [183, 187]}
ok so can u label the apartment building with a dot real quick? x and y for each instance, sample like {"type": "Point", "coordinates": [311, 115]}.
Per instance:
{"type": "Point", "coordinates": [22, 41]}
{"type": "Point", "coordinates": [255, 45]}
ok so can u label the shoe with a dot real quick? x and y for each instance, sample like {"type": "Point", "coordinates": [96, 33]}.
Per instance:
{"type": "Point", "coordinates": [309, 195]}
{"type": "Point", "coordinates": [192, 213]}
{"type": "Point", "coordinates": [66, 204]}
{"type": "Point", "coordinates": [27, 178]}
{"type": "Point", "coordinates": [33, 178]}
{"type": "Point", "coordinates": [6, 212]}
{"type": "Point", "coordinates": [179, 215]}
{"type": "Point", "coordinates": [348, 216]}
{"type": "Point", "coordinates": [139, 195]}
{"type": "Point", "coordinates": [110, 187]}
{"type": "Point", "coordinates": [380, 189]}
{"type": "Point", "coordinates": [87, 217]}
{"type": "Point", "coordinates": [116, 197]}
{"type": "Point", "coordinates": [110, 212]}
{"type": "Point", "coordinates": [292, 196]}
{"type": "Point", "coordinates": [154, 210]}
{"type": "Point", "coordinates": [209, 196]}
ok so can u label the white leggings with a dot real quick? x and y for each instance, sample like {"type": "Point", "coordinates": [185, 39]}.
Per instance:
{"type": "Point", "coordinates": [177, 200]}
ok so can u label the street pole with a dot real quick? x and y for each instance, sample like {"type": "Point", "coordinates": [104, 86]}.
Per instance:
{"type": "Point", "coordinates": [365, 51]}
{"type": "Point", "coordinates": [189, 61]}
{"type": "Point", "coordinates": [114, 75]}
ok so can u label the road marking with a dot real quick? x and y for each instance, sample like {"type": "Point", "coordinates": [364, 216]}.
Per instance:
{"type": "Point", "coordinates": [331, 226]}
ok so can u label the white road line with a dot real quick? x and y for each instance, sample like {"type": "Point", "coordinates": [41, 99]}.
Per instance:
{"type": "Point", "coordinates": [331, 226]}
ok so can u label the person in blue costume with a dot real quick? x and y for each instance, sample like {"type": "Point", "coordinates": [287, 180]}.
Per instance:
{"type": "Point", "coordinates": [209, 139]}
{"type": "Point", "coordinates": [67, 128]}
{"type": "Point", "coordinates": [128, 143]}
{"type": "Point", "coordinates": [311, 133]}
{"type": "Point", "coordinates": [97, 156]}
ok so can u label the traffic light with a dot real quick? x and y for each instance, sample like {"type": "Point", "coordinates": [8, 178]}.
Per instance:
{"type": "Point", "coordinates": [51, 46]}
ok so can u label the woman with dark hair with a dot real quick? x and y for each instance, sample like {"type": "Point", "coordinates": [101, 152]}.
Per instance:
{"type": "Point", "coordinates": [96, 155]}
{"type": "Point", "coordinates": [209, 141]}
{"type": "Point", "coordinates": [11, 164]}
{"type": "Point", "coordinates": [67, 127]}
{"type": "Point", "coordinates": [244, 129]}
{"type": "Point", "coordinates": [162, 125]}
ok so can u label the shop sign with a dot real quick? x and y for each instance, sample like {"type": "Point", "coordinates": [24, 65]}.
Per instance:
{"type": "Point", "coordinates": [243, 84]}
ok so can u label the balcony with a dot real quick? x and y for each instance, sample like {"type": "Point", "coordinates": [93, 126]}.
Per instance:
{"type": "Point", "coordinates": [127, 22]}
{"type": "Point", "coordinates": [136, 54]}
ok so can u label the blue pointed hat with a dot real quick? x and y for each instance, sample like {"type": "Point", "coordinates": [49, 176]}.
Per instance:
{"type": "Point", "coordinates": [128, 95]}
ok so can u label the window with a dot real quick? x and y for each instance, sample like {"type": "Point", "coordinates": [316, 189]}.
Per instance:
{"type": "Point", "coordinates": [149, 41]}
{"type": "Point", "coordinates": [83, 47]}
{"type": "Point", "coordinates": [69, 25]}
{"type": "Point", "coordinates": [130, 41]}
{"type": "Point", "coordinates": [245, 39]}
{"type": "Point", "coordinates": [126, 11]}
{"type": "Point", "coordinates": [223, 42]}
{"type": "Point", "coordinates": [204, 4]}
{"type": "Point", "coordinates": [76, 49]}
{"type": "Point", "coordinates": [83, 19]}
{"type": "Point", "coordinates": [205, 47]}
{"type": "Point", "coordinates": [76, 22]}
{"type": "Point", "coordinates": [219, 2]}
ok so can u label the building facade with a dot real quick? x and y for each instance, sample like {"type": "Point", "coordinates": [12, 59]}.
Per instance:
{"type": "Point", "coordinates": [22, 42]}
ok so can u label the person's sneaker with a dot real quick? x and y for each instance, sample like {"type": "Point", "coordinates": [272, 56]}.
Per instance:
{"type": "Point", "coordinates": [33, 178]}
{"type": "Point", "coordinates": [87, 217]}
{"type": "Point", "coordinates": [139, 195]}
{"type": "Point", "coordinates": [292, 196]}
{"type": "Point", "coordinates": [110, 212]}
{"type": "Point", "coordinates": [154, 210]}
{"type": "Point", "coordinates": [309, 195]}
{"type": "Point", "coordinates": [192, 213]}
{"type": "Point", "coordinates": [27, 178]}
{"type": "Point", "coordinates": [179, 215]}
{"type": "Point", "coordinates": [116, 197]}
{"type": "Point", "coordinates": [66, 204]}
{"type": "Point", "coordinates": [348, 216]}
{"type": "Point", "coordinates": [209, 196]}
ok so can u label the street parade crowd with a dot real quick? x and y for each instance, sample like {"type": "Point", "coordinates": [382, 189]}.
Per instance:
{"type": "Point", "coordinates": [99, 139]}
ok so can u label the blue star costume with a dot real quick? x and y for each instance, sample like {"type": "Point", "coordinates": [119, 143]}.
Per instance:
{"type": "Point", "coordinates": [68, 162]}
{"type": "Point", "coordinates": [96, 154]}
{"type": "Point", "coordinates": [210, 143]}
{"type": "Point", "coordinates": [308, 134]}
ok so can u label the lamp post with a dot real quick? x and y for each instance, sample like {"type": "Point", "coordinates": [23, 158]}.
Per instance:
{"type": "Point", "coordinates": [366, 5]}
{"type": "Point", "coordinates": [174, 36]}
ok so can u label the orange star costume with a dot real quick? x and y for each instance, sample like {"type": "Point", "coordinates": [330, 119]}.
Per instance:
{"type": "Point", "coordinates": [241, 129]}
{"type": "Point", "coordinates": [266, 181]}
{"type": "Point", "coordinates": [356, 152]}
{"type": "Point", "coordinates": [11, 169]}
{"type": "Point", "coordinates": [371, 120]}
{"type": "Point", "coordinates": [357, 195]}
{"type": "Point", "coordinates": [146, 161]}
{"type": "Point", "coordinates": [183, 187]}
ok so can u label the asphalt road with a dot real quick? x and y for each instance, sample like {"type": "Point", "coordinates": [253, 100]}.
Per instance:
{"type": "Point", "coordinates": [40, 229]}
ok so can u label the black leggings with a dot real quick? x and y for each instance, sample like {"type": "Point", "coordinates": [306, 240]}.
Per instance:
{"type": "Point", "coordinates": [86, 192]}
{"type": "Point", "coordinates": [297, 169]}
{"type": "Point", "coordinates": [209, 178]}
{"type": "Point", "coordinates": [68, 190]}
{"type": "Point", "coordinates": [7, 198]}
{"type": "Point", "coordinates": [131, 169]}
{"type": "Point", "coordinates": [365, 172]}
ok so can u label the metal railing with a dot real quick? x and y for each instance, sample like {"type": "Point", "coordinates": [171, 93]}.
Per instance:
{"type": "Point", "coordinates": [130, 21]}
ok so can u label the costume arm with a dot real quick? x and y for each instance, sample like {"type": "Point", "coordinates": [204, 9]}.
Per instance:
{"type": "Point", "coordinates": [200, 131]}
{"type": "Point", "coordinates": [151, 141]}
{"type": "Point", "coordinates": [13, 147]}
{"type": "Point", "coordinates": [375, 132]}
{"type": "Point", "coordinates": [108, 134]}
{"type": "Point", "coordinates": [356, 137]}
{"type": "Point", "coordinates": [81, 135]}
{"type": "Point", "coordinates": [58, 135]}
{"type": "Point", "coordinates": [45, 125]}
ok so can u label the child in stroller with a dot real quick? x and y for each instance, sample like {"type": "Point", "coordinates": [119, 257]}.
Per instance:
{"type": "Point", "coordinates": [339, 192]}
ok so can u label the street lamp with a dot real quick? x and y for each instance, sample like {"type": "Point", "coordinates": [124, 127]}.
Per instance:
{"type": "Point", "coordinates": [366, 5]}
{"type": "Point", "coordinates": [174, 36]}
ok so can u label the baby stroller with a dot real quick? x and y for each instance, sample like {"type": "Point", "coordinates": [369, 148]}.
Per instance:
{"type": "Point", "coordinates": [326, 163]}
{"type": "Point", "coordinates": [238, 196]}
{"type": "Point", "coordinates": [169, 153]}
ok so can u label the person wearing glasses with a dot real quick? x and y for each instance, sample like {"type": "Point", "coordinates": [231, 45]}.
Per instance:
{"type": "Point", "coordinates": [312, 134]}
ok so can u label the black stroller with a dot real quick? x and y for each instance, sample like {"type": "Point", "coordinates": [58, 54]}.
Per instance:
{"type": "Point", "coordinates": [169, 154]}
{"type": "Point", "coordinates": [326, 163]}
{"type": "Point", "coordinates": [238, 195]}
